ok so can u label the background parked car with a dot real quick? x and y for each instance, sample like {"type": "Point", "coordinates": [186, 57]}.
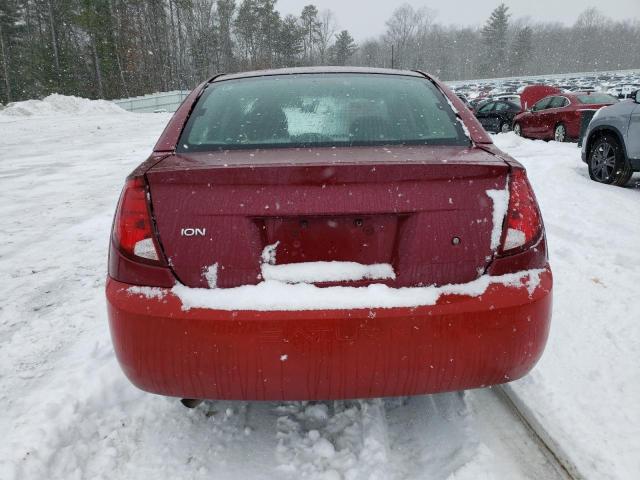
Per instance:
{"type": "Point", "coordinates": [559, 117]}
{"type": "Point", "coordinates": [534, 89]}
{"type": "Point", "coordinates": [497, 116]}
{"type": "Point", "coordinates": [532, 93]}
{"type": "Point", "coordinates": [510, 97]}
{"type": "Point", "coordinates": [612, 143]}
{"type": "Point", "coordinates": [478, 102]}
{"type": "Point", "coordinates": [627, 91]}
{"type": "Point", "coordinates": [464, 100]}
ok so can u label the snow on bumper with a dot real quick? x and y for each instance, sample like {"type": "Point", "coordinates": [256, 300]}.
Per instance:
{"type": "Point", "coordinates": [461, 338]}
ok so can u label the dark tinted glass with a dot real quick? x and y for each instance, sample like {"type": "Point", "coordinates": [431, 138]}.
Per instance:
{"type": "Point", "coordinates": [486, 108]}
{"type": "Point", "coordinates": [321, 110]}
{"type": "Point", "coordinates": [557, 102]}
{"type": "Point", "coordinates": [542, 104]}
{"type": "Point", "coordinates": [597, 98]}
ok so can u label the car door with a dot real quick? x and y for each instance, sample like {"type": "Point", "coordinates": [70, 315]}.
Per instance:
{"type": "Point", "coordinates": [533, 126]}
{"type": "Point", "coordinates": [550, 116]}
{"type": "Point", "coordinates": [633, 135]}
{"type": "Point", "coordinates": [484, 115]}
{"type": "Point", "coordinates": [501, 115]}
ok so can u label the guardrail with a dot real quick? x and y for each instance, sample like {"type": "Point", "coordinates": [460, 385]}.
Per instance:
{"type": "Point", "coordinates": [154, 102]}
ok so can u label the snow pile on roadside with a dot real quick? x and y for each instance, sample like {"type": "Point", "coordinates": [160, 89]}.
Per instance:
{"type": "Point", "coordinates": [585, 392]}
{"type": "Point", "coordinates": [56, 104]}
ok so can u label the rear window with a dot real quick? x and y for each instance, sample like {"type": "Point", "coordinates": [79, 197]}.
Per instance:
{"type": "Point", "coordinates": [516, 102]}
{"type": "Point", "coordinates": [321, 110]}
{"type": "Point", "coordinates": [558, 102]}
{"type": "Point", "coordinates": [542, 104]}
{"type": "Point", "coordinates": [596, 98]}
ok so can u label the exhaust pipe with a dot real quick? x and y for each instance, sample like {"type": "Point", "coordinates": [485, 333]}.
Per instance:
{"type": "Point", "coordinates": [191, 402]}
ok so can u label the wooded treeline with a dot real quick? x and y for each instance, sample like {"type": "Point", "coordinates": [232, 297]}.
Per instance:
{"type": "Point", "coordinates": [121, 48]}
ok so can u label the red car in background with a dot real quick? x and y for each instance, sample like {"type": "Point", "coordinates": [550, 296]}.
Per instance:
{"type": "Point", "coordinates": [559, 116]}
{"type": "Point", "coordinates": [329, 233]}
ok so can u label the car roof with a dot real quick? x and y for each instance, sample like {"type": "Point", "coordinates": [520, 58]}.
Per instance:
{"type": "Point", "coordinates": [568, 95]}
{"type": "Point", "coordinates": [499, 100]}
{"type": "Point", "coordinates": [308, 70]}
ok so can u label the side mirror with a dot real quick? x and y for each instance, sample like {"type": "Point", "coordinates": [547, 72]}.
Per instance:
{"type": "Point", "coordinates": [636, 96]}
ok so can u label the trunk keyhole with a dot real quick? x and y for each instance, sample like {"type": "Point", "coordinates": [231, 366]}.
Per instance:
{"type": "Point", "coordinates": [455, 240]}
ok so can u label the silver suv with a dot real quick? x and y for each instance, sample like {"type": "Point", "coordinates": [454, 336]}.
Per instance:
{"type": "Point", "coordinates": [611, 146]}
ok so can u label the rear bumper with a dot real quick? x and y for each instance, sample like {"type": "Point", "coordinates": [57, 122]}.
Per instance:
{"type": "Point", "coordinates": [461, 342]}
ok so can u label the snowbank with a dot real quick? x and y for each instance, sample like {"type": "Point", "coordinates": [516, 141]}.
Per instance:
{"type": "Point", "coordinates": [56, 104]}
{"type": "Point", "coordinates": [585, 391]}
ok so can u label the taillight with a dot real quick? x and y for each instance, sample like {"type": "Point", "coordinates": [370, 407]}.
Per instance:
{"type": "Point", "coordinates": [133, 232]}
{"type": "Point", "coordinates": [523, 224]}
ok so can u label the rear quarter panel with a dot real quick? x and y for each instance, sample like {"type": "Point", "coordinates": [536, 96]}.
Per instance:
{"type": "Point", "coordinates": [571, 119]}
{"type": "Point", "coordinates": [169, 138]}
{"type": "Point", "coordinates": [633, 136]}
{"type": "Point", "coordinates": [617, 119]}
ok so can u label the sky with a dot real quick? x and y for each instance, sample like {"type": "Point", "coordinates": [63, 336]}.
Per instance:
{"type": "Point", "coordinates": [366, 18]}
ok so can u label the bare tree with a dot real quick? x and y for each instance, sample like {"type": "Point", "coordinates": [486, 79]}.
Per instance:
{"type": "Point", "coordinates": [326, 32]}
{"type": "Point", "coordinates": [404, 28]}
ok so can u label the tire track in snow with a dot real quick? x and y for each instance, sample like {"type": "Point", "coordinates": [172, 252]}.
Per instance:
{"type": "Point", "coordinates": [457, 436]}
{"type": "Point", "coordinates": [333, 440]}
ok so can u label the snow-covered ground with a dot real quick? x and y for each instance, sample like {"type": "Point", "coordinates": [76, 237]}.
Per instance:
{"type": "Point", "coordinates": [586, 389]}
{"type": "Point", "coordinates": [68, 411]}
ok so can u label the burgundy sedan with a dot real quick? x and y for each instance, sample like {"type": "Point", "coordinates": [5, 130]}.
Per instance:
{"type": "Point", "coordinates": [326, 234]}
{"type": "Point", "coordinates": [559, 117]}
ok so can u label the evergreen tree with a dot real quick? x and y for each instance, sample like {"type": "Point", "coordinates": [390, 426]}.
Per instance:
{"type": "Point", "coordinates": [290, 42]}
{"type": "Point", "coordinates": [371, 53]}
{"type": "Point", "coordinates": [94, 17]}
{"type": "Point", "coordinates": [311, 26]}
{"type": "Point", "coordinates": [343, 48]}
{"type": "Point", "coordinates": [245, 27]}
{"type": "Point", "coordinates": [8, 39]}
{"type": "Point", "coordinates": [226, 9]}
{"type": "Point", "coordinates": [269, 28]}
{"type": "Point", "coordinates": [494, 35]}
{"type": "Point", "coordinates": [203, 38]}
{"type": "Point", "coordinates": [521, 50]}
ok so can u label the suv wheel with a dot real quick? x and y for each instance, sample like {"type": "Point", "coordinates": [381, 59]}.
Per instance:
{"type": "Point", "coordinates": [607, 163]}
{"type": "Point", "coordinates": [504, 127]}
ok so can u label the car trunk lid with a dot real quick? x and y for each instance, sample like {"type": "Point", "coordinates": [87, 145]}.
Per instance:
{"type": "Point", "coordinates": [415, 215]}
